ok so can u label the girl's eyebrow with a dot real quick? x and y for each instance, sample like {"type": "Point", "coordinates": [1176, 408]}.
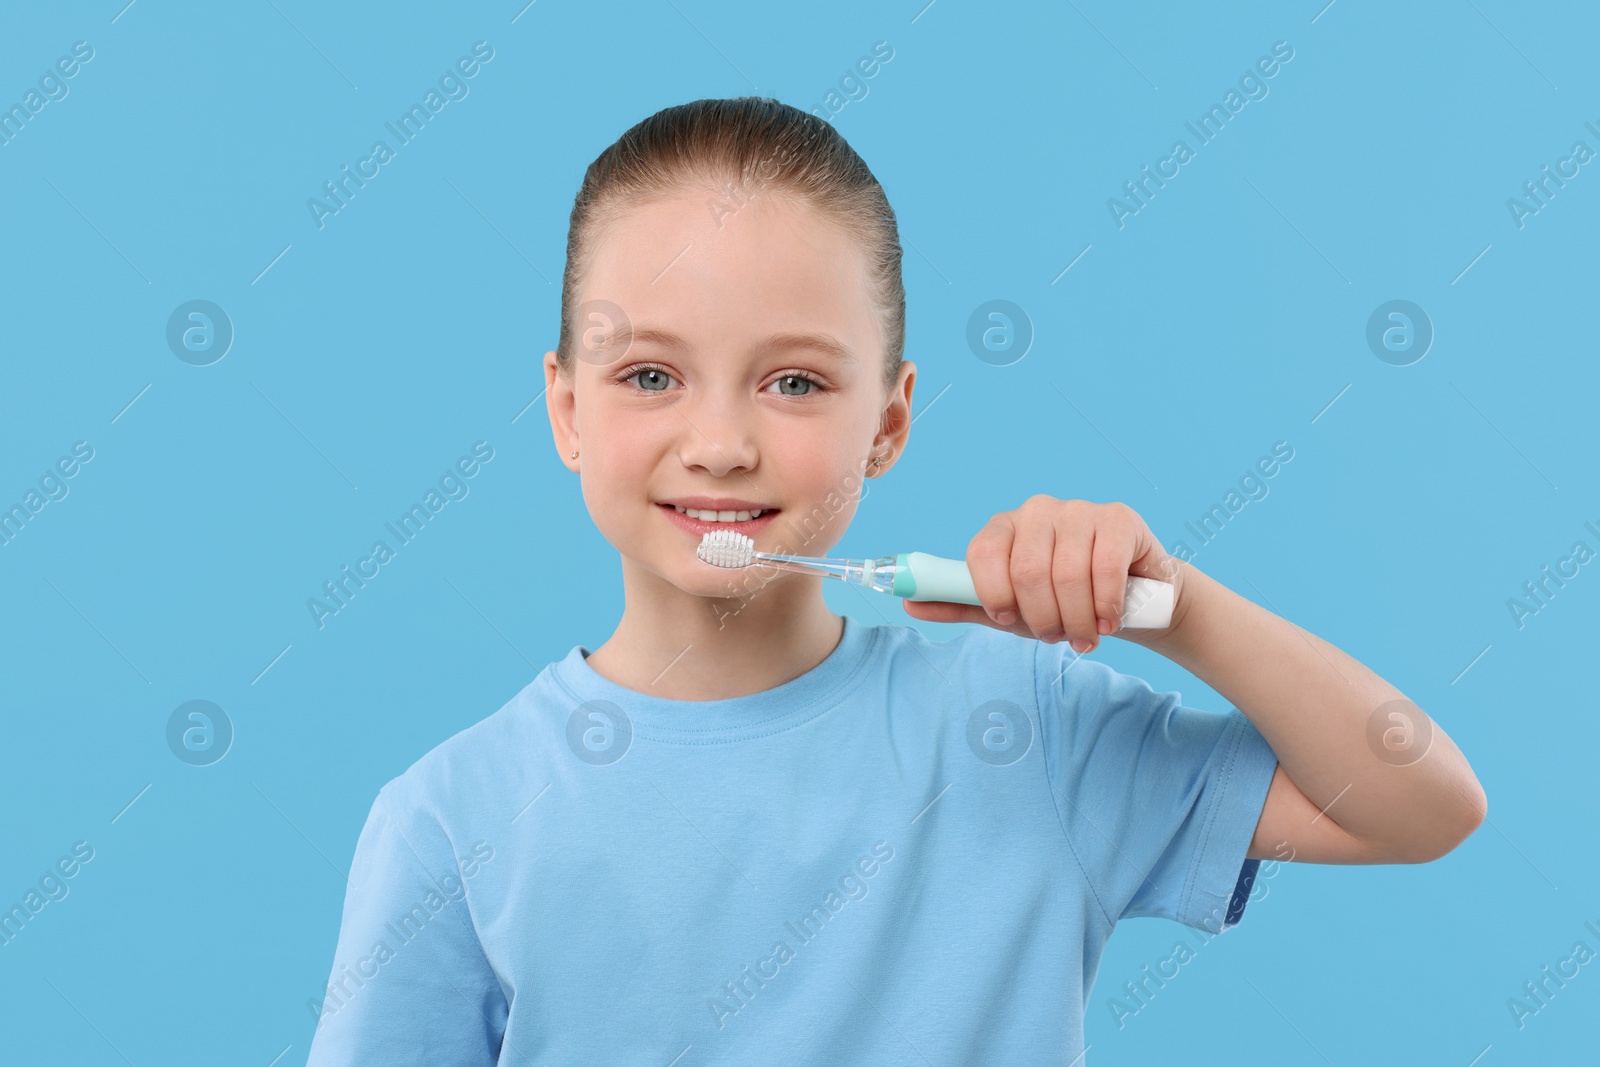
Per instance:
{"type": "Point", "coordinates": [627, 335]}
{"type": "Point", "coordinates": [820, 342]}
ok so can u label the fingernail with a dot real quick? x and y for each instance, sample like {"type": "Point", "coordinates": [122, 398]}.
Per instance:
{"type": "Point", "coordinates": [1006, 618]}
{"type": "Point", "coordinates": [1105, 626]}
{"type": "Point", "coordinates": [1080, 647]}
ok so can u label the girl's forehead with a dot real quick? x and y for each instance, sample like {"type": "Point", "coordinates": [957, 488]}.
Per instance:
{"type": "Point", "coordinates": [666, 263]}
{"type": "Point", "coordinates": [711, 220]}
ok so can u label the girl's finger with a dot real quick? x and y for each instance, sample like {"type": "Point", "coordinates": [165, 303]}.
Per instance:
{"type": "Point", "coordinates": [942, 611]}
{"type": "Point", "coordinates": [1071, 582]}
{"type": "Point", "coordinates": [1113, 554]}
{"type": "Point", "coordinates": [989, 563]}
{"type": "Point", "coordinates": [945, 611]}
{"type": "Point", "coordinates": [1034, 553]}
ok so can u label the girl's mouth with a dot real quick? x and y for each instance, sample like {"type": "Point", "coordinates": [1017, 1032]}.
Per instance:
{"type": "Point", "coordinates": [700, 527]}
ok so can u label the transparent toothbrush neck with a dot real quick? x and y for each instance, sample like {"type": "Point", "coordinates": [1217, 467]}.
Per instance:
{"type": "Point", "coordinates": [882, 574]}
{"type": "Point", "coordinates": [877, 574]}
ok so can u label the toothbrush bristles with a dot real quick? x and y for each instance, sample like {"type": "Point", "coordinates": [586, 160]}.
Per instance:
{"type": "Point", "coordinates": [726, 548]}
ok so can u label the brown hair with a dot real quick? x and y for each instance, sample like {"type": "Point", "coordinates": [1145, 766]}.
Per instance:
{"type": "Point", "coordinates": [743, 146]}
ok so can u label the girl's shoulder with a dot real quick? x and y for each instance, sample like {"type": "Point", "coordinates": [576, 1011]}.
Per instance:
{"type": "Point", "coordinates": [479, 760]}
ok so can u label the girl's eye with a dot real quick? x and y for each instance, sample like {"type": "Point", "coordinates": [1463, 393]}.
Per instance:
{"type": "Point", "coordinates": [653, 379]}
{"type": "Point", "coordinates": [795, 380]}
{"type": "Point", "coordinates": [649, 374]}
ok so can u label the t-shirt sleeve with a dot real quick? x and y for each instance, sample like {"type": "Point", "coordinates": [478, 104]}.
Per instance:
{"type": "Point", "coordinates": [410, 983]}
{"type": "Point", "coordinates": [1159, 801]}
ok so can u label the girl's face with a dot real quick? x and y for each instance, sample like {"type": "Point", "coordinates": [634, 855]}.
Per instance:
{"type": "Point", "coordinates": [727, 357]}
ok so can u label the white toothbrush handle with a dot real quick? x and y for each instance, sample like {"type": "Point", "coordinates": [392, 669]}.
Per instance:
{"type": "Point", "coordinates": [1146, 602]}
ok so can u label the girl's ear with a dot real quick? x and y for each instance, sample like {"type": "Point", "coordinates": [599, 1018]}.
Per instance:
{"type": "Point", "coordinates": [561, 404]}
{"type": "Point", "coordinates": [895, 425]}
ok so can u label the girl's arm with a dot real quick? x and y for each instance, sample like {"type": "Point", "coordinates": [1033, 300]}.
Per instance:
{"type": "Point", "coordinates": [1364, 775]}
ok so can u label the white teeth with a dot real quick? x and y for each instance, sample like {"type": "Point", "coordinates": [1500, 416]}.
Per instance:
{"type": "Point", "coordinates": [721, 516]}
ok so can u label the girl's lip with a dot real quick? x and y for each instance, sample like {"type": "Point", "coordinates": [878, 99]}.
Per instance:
{"type": "Point", "coordinates": [699, 528]}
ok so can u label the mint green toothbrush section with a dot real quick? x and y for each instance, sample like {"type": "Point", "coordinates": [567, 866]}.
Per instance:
{"type": "Point", "coordinates": [1147, 603]}
{"type": "Point", "coordinates": [919, 576]}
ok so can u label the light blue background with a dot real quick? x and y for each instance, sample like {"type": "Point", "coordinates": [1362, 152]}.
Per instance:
{"type": "Point", "coordinates": [1228, 315]}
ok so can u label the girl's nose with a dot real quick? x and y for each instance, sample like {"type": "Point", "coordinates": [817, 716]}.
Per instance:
{"type": "Point", "coordinates": [718, 435]}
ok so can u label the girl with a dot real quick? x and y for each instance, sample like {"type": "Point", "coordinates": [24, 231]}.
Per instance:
{"type": "Point", "coordinates": [745, 829]}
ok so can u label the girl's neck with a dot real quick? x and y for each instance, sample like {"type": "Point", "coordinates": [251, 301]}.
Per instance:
{"type": "Point", "coordinates": [718, 654]}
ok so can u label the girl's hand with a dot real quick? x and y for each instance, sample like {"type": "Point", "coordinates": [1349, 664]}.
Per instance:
{"type": "Point", "coordinates": [1058, 569]}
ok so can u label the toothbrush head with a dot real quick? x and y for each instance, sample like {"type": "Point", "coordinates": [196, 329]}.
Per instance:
{"type": "Point", "coordinates": [726, 548]}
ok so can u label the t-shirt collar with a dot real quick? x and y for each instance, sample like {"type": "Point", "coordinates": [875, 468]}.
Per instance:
{"type": "Point", "coordinates": [731, 719]}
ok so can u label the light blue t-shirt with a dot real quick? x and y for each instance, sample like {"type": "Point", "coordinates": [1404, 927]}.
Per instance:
{"type": "Point", "coordinates": [913, 853]}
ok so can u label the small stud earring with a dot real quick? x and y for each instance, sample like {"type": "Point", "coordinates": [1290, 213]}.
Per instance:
{"type": "Point", "coordinates": [574, 455]}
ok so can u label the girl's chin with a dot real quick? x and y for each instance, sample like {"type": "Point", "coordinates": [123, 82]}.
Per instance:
{"type": "Point", "coordinates": [739, 586]}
